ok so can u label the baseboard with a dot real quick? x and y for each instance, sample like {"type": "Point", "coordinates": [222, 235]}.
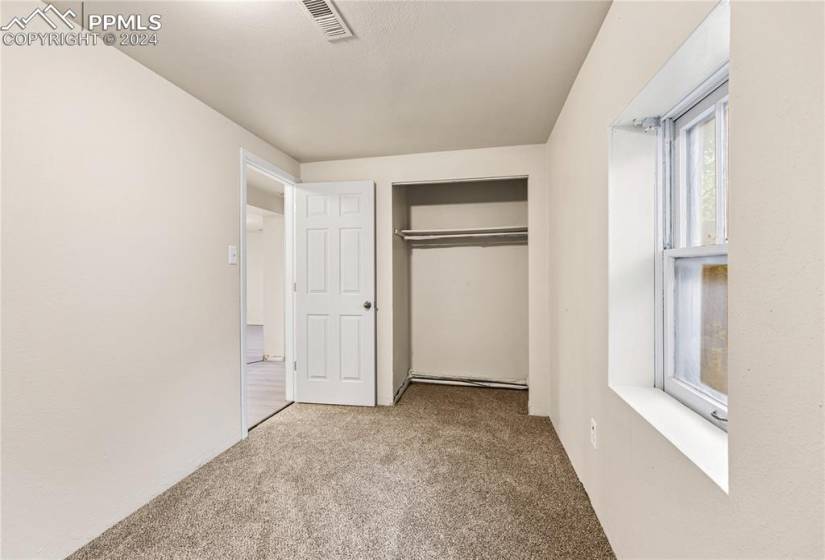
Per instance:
{"type": "Point", "coordinates": [423, 377]}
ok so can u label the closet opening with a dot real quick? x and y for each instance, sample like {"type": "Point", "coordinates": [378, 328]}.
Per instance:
{"type": "Point", "coordinates": [460, 273]}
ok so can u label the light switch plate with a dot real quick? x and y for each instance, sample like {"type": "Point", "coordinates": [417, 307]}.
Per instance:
{"type": "Point", "coordinates": [232, 254]}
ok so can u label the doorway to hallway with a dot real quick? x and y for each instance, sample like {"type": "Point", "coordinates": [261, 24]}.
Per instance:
{"type": "Point", "coordinates": [265, 298]}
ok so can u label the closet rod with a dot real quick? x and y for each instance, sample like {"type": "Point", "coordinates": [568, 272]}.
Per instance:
{"type": "Point", "coordinates": [459, 236]}
{"type": "Point", "coordinates": [423, 234]}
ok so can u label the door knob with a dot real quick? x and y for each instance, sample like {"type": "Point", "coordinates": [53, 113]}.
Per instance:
{"type": "Point", "coordinates": [367, 304]}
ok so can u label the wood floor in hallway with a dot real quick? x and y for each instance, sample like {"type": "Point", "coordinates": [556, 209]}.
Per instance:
{"type": "Point", "coordinates": [265, 380]}
{"type": "Point", "coordinates": [265, 390]}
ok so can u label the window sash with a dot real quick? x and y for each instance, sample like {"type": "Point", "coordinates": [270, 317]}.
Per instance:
{"type": "Point", "coordinates": [678, 187]}
{"type": "Point", "coordinates": [671, 235]}
{"type": "Point", "coordinates": [699, 401]}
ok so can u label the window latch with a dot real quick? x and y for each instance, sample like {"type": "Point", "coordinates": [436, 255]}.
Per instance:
{"type": "Point", "coordinates": [718, 416]}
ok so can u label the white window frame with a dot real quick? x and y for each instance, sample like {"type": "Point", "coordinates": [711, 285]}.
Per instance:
{"type": "Point", "coordinates": [671, 237]}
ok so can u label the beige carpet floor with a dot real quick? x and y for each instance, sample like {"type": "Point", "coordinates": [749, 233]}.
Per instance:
{"type": "Point", "coordinates": [448, 473]}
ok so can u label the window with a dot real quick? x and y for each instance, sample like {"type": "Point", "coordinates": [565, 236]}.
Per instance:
{"type": "Point", "coordinates": [694, 262]}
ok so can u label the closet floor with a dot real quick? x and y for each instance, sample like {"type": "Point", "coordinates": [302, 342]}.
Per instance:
{"type": "Point", "coordinates": [450, 472]}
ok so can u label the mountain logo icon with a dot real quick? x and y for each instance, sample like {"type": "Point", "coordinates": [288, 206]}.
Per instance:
{"type": "Point", "coordinates": [42, 13]}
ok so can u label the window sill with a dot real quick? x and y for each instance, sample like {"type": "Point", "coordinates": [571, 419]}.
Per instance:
{"type": "Point", "coordinates": [699, 440]}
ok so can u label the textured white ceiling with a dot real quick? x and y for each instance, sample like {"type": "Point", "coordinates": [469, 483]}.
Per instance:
{"type": "Point", "coordinates": [418, 76]}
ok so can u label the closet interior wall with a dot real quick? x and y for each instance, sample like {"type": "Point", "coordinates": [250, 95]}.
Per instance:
{"type": "Point", "coordinates": [461, 305]}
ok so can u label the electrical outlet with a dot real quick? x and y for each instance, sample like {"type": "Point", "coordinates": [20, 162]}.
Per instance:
{"type": "Point", "coordinates": [594, 441]}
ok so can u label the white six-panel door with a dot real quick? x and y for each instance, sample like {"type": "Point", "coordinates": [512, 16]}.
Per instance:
{"type": "Point", "coordinates": [335, 293]}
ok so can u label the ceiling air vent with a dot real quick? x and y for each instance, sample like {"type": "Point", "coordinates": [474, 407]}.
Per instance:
{"type": "Point", "coordinates": [327, 17]}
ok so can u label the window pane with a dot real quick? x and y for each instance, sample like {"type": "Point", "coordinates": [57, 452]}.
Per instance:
{"type": "Point", "coordinates": [702, 183]}
{"type": "Point", "coordinates": [701, 321]}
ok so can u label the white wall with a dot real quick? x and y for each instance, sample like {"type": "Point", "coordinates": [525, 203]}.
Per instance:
{"type": "Point", "coordinates": [260, 198]}
{"type": "Point", "coordinates": [463, 164]}
{"type": "Point", "coordinates": [632, 309]}
{"type": "Point", "coordinates": [266, 264]}
{"type": "Point", "coordinates": [120, 314]}
{"type": "Point", "coordinates": [273, 280]}
{"type": "Point", "coordinates": [469, 305]}
{"type": "Point", "coordinates": [255, 277]}
{"type": "Point", "coordinates": [653, 501]}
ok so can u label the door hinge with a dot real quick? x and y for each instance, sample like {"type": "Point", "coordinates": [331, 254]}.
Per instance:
{"type": "Point", "coordinates": [295, 286]}
{"type": "Point", "coordinates": [295, 366]}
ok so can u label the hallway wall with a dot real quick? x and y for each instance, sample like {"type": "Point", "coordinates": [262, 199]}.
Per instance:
{"type": "Point", "coordinates": [266, 267]}
{"type": "Point", "coordinates": [273, 293]}
{"type": "Point", "coordinates": [120, 197]}
{"type": "Point", "coordinates": [652, 501]}
{"type": "Point", "coordinates": [255, 283]}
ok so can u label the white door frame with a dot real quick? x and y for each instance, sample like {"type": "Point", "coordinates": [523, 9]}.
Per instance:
{"type": "Point", "coordinates": [278, 174]}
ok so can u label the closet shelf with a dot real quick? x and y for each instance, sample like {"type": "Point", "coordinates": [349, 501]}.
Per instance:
{"type": "Point", "coordinates": [434, 234]}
